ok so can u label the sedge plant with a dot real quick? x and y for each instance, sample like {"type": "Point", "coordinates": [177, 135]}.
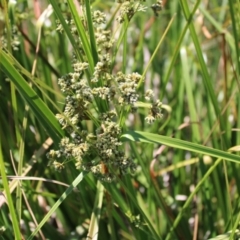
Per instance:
{"type": "Point", "coordinates": [119, 119]}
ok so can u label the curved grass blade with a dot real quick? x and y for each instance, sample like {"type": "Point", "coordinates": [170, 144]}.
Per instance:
{"type": "Point", "coordinates": [40, 109]}
{"type": "Point", "coordinates": [177, 143]}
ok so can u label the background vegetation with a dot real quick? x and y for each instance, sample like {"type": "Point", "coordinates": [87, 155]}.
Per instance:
{"type": "Point", "coordinates": [186, 183]}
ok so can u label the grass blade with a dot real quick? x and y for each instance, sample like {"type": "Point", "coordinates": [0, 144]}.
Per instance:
{"type": "Point", "coordinates": [94, 224]}
{"type": "Point", "coordinates": [235, 25]}
{"type": "Point", "coordinates": [206, 77]}
{"type": "Point", "coordinates": [65, 27]}
{"type": "Point", "coordinates": [74, 184]}
{"type": "Point", "coordinates": [15, 222]}
{"type": "Point", "coordinates": [41, 111]}
{"type": "Point", "coordinates": [82, 34]}
{"type": "Point", "coordinates": [91, 32]}
{"type": "Point", "coordinates": [187, 203]}
{"type": "Point", "coordinates": [177, 143]}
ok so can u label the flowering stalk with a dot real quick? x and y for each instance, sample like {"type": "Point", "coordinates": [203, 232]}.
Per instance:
{"type": "Point", "coordinates": [99, 151]}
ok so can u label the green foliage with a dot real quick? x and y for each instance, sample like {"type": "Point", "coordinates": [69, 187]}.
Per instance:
{"type": "Point", "coordinates": [119, 119]}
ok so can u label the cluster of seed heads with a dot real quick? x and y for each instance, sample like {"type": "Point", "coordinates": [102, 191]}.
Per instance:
{"type": "Point", "coordinates": [99, 151]}
{"type": "Point", "coordinates": [15, 42]}
{"type": "Point", "coordinates": [129, 8]}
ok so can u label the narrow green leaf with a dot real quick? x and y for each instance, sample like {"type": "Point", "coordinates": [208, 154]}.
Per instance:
{"type": "Point", "coordinates": [74, 184]}
{"type": "Point", "coordinates": [65, 27]}
{"type": "Point", "coordinates": [41, 111]}
{"type": "Point", "coordinates": [82, 34]}
{"type": "Point", "coordinates": [9, 197]}
{"type": "Point", "coordinates": [206, 76]}
{"type": "Point", "coordinates": [94, 224]}
{"type": "Point", "coordinates": [176, 50]}
{"type": "Point", "coordinates": [91, 32]}
{"type": "Point", "coordinates": [190, 94]}
{"type": "Point", "coordinates": [234, 11]}
{"type": "Point", "coordinates": [177, 143]}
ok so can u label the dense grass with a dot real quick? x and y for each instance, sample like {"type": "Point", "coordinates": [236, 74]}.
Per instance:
{"type": "Point", "coordinates": [186, 184]}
